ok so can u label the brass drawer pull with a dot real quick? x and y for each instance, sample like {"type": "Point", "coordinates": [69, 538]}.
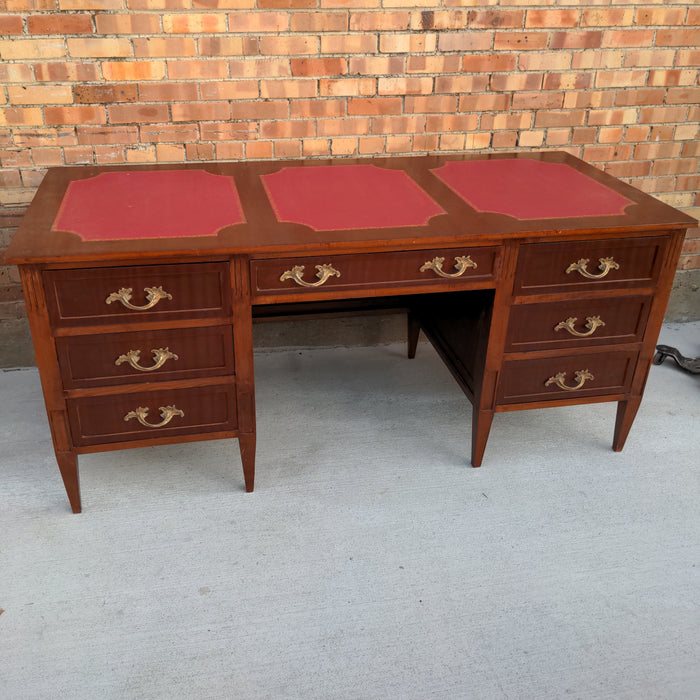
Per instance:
{"type": "Point", "coordinates": [167, 413]}
{"type": "Point", "coordinates": [324, 272]}
{"type": "Point", "coordinates": [462, 263]}
{"type": "Point", "coordinates": [592, 323]}
{"type": "Point", "coordinates": [606, 264]}
{"type": "Point", "coordinates": [160, 357]}
{"type": "Point", "coordinates": [581, 376]}
{"type": "Point", "coordinates": [153, 294]}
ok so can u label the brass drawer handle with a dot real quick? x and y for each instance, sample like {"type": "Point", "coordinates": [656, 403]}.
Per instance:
{"type": "Point", "coordinates": [592, 323]}
{"type": "Point", "coordinates": [153, 294]}
{"type": "Point", "coordinates": [324, 273]}
{"type": "Point", "coordinates": [167, 413]}
{"type": "Point", "coordinates": [462, 263]}
{"type": "Point", "coordinates": [606, 264]}
{"type": "Point", "coordinates": [160, 357]}
{"type": "Point", "coordinates": [581, 376]}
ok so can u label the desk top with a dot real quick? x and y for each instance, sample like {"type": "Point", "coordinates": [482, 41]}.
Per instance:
{"type": "Point", "coordinates": [279, 207]}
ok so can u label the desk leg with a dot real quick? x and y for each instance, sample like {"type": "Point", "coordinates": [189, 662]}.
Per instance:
{"type": "Point", "coordinates": [413, 333]}
{"type": "Point", "coordinates": [68, 464]}
{"type": "Point", "coordinates": [481, 426]}
{"type": "Point", "coordinates": [626, 411]}
{"type": "Point", "coordinates": [246, 443]}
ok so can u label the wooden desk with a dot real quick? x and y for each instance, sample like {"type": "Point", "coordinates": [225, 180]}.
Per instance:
{"type": "Point", "coordinates": [540, 280]}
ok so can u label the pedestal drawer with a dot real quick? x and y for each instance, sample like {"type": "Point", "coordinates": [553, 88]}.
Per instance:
{"type": "Point", "coordinates": [137, 293]}
{"type": "Point", "coordinates": [152, 414]}
{"type": "Point", "coordinates": [376, 270]}
{"type": "Point", "coordinates": [577, 323]}
{"type": "Point", "coordinates": [565, 377]}
{"type": "Point", "coordinates": [145, 356]}
{"type": "Point", "coordinates": [572, 266]}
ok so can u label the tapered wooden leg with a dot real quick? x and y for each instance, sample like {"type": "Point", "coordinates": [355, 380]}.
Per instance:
{"type": "Point", "coordinates": [68, 464]}
{"type": "Point", "coordinates": [247, 446]}
{"type": "Point", "coordinates": [481, 426]}
{"type": "Point", "coordinates": [413, 333]}
{"type": "Point", "coordinates": [626, 411]}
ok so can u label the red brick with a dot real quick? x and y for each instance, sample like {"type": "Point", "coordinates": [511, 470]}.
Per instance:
{"type": "Point", "coordinates": [168, 92]}
{"type": "Point", "coordinates": [199, 151]}
{"type": "Point", "coordinates": [404, 86]}
{"type": "Point", "coordinates": [505, 139]}
{"type": "Point", "coordinates": [430, 105]}
{"type": "Point", "coordinates": [675, 166]}
{"type": "Point", "coordinates": [194, 23]}
{"type": "Point", "coordinates": [229, 151]}
{"type": "Point", "coordinates": [461, 84]}
{"type": "Point", "coordinates": [228, 131]}
{"type": "Point", "coordinates": [257, 22]}
{"type": "Point", "coordinates": [680, 95]}
{"type": "Point", "coordinates": [648, 96]}
{"type": "Point", "coordinates": [102, 135]}
{"type": "Point", "coordinates": [397, 125]}
{"type": "Point", "coordinates": [259, 68]}
{"type": "Point", "coordinates": [317, 108]}
{"type": "Point", "coordinates": [492, 19]}
{"type": "Point", "coordinates": [620, 38]}
{"type": "Point", "coordinates": [169, 133]}
{"type": "Point", "coordinates": [318, 66]}
{"type": "Point", "coordinates": [378, 21]}
{"type": "Point", "coordinates": [343, 127]}
{"type": "Point", "coordinates": [349, 43]}
{"type": "Point", "coordinates": [256, 110]}
{"type": "Point", "coordinates": [134, 70]}
{"type": "Point", "coordinates": [551, 18]}
{"type": "Point", "coordinates": [160, 47]}
{"type": "Point", "coordinates": [99, 48]}
{"type": "Point", "coordinates": [434, 64]}
{"type": "Point", "coordinates": [258, 149]}
{"type": "Point", "coordinates": [538, 100]}
{"type": "Point", "coordinates": [380, 65]}
{"type": "Point", "coordinates": [375, 105]}
{"type": "Point", "coordinates": [286, 4]}
{"type": "Point", "coordinates": [504, 82]}
{"type": "Point", "coordinates": [11, 24]}
{"type": "Point", "coordinates": [663, 115]}
{"type": "Point", "coordinates": [74, 115]}
{"type": "Point", "coordinates": [319, 21]}
{"type": "Point", "coordinates": [652, 151]}
{"type": "Point", "coordinates": [428, 20]}
{"type": "Point", "coordinates": [484, 103]}
{"type": "Point", "coordinates": [567, 81]}
{"type": "Point", "coordinates": [618, 17]}
{"type": "Point", "coordinates": [660, 16]}
{"type": "Point", "coordinates": [102, 94]}
{"type": "Point", "coordinates": [668, 78]}
{"type": "Point", "coordinates": [229, 90]}
{"type": "Point", "coordinates": [297, 128]}
{"type": "Point", "coordinates": [138, 114]}
{"type": "Point", "coordinates": [452, 122]}
{"type": "Point", "coordinates": [39, 94]}
{"type": "Point", "coordinates": [287, 149]}
{"type": "Point", "coordinates": [465, 41]}
{"type": "Point", "coordinates": [223, 46]}
{"type": "Point", "coordinates": [66, 72]}
{"type": "Point", "coordinates": [493, 63]}
{"type": "Point", "coordinates": [569, 117]}
{"type": "Point", "coordinates": [29, 138]}
{"type": "Point", "coordinates": [199, 111]}
{"type": "Point", "coordinates": [520, 41]}
{"type": "Point", "coordinates": [127, 23]}
{"type": "Point", "coordinates": [190, 69]}
{"type": "Point", "coordinates": [347, 87]}
{"type": "Point", "coordinates": [576, 40]}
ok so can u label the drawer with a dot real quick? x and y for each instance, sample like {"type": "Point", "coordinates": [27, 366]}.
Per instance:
{"type": "Point", "coordinates": [152, 414]}
{"type": "Point", "coordinates": [145, 356]}
{"type": "Point", "coordinates": [121, 294]}
{"type": "Point", "coordinates": [577, 323]}
{"type": "Point", "coordinates": [573, 266]}
{"type": "Point", "coordinates": [545, 379]}
{"type": "Point", "coordinates": [376, 270]}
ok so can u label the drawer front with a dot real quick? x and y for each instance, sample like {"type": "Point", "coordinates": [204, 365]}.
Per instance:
{"type": "Point", "coordinates": [544, 379]}
{"type": "Point", "coordinates": [572, 266]}
{"type": "Point", "coordinates": [577, 323]}
{"type": "Point", "coordinates": [152, 414]}
{"type": "Point", "coordinates": [379, 270]}
{"type": "Point", "coordinates": [138, 293]}
{"type": "Point", "coordinates": [145, 356]}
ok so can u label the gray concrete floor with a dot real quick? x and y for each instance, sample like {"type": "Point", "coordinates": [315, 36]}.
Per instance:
{"type": "Point", "coordinates": [372, 561]}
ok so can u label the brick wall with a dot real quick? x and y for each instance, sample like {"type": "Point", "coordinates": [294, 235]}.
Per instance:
{"type": "Point", "coordinates": [136, 81]}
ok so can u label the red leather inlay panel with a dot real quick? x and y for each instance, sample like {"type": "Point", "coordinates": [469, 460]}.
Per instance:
{"type": "Point", "coordinates": [530, 189]}
{"type": "Point", "coordinates": [149, 204]}
{"type": "Point", "coordinates": [333, 198]}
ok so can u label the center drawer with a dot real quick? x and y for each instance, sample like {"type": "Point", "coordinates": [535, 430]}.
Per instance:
{"type": "Point", "coordinates": [343, 273]}
{"type": "Point", "coordinates": [145, 356]}
{"type": "Point", "coordinates": [152, 414]}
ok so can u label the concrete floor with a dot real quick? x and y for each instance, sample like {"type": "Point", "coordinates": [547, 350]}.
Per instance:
{"type": "Point", "coordinates": [371, 561]}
